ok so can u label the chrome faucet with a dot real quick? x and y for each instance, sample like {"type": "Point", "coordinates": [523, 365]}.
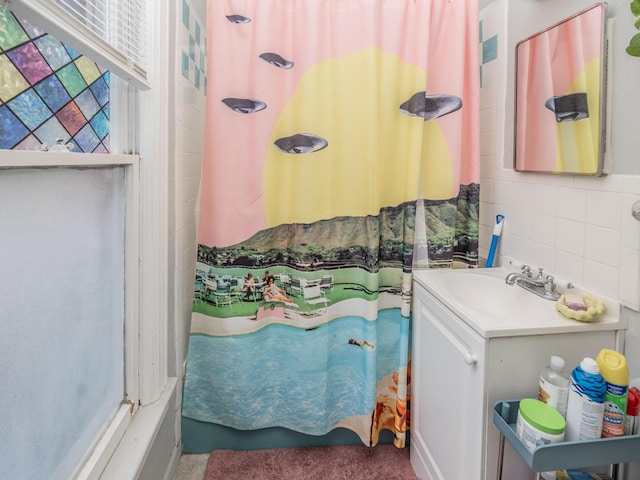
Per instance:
{"type": "Point", "coordinates": [542, 285]}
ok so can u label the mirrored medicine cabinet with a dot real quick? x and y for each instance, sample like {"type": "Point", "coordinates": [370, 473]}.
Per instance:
{"type": "Point", "coordinates": [560, 97]}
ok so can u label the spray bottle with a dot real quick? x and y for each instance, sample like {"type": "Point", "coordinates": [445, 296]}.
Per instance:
{"type": "Point", "coordinates": [586, 402]}
{"type": "Point", "coordinates": [614, 370]}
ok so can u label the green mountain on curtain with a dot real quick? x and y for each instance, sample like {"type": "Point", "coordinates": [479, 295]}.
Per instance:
{"type": "Point", "coordinates": [369, 242]}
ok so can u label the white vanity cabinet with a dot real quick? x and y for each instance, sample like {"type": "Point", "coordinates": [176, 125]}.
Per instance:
{"type": "Point", "coordinates": [461, 367]}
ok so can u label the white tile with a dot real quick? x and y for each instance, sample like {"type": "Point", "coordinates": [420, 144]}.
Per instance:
{"type": "Point", "coordinates": [608, 183]}
{"type": "Point", "coordinates": [488, 118]}
{"type": "Point", "coordinates": [520, 248]}
{"type": "Point", "coordinates": [485, 233]}
{"type": "Point", "coordinates": [558, 180]}
{"type": "Point", "coordinates": [569, 267]}
{"type": "Point", "coordinates": [543, 256]}
{"type": "Point", "coordinates": [487, 166]}
{"type": "Point", "coordinates": [543, 229]}
{"type": "Point", "coordinates": [601, 279]}
{"type": "Point", "coordinates": [486, 191]}
{"type": "Point", "coordinates": [630, 278]}
{"type": "Point", "coordinates": [604, 209]}
{"type": "Point", "coordinates": [630, 226]}
{"type": "Point", "coordinates": [502, 193]}
{"type": "Point", "coordinates": [521, 195]}
{"type": "Point", "coordinates": [508, 174]}
{"type": "Point", "coordinates": [544, 199]}
{"type": "Point", "coordinates": [490, 73]}
{"type": "Point", "coordinates": [488, 96]}
{"type": "Point", "coordinates": [602, 245]}
{"type": "Point", "coordinates": [519, 223]}
{"type": "Point", "coordinates": [570, 236]}
{"type": "Point", "coordinates": [488, 142]}
{"type": "Point", "coordinates": [572, 204]}
{"type": "Point", "coordinates": [631, 184]}
{"type": "Point", "coordinates": [486, 216]}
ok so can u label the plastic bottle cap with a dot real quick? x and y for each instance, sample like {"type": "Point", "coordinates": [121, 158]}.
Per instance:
{"type": "Point", "coordinates": [542, 416]}
{"type": "Point", "coordinates": [589, 365]}
{"type": "Point", "coordinates": [633, 402]}
{"type": "Point", "coordinates": [557, 363]}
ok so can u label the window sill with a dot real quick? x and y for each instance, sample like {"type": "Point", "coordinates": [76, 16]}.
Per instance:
{"type": "Point", "coordinates": [132, 451]}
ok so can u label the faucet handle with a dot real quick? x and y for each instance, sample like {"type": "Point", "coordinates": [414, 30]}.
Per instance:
{"type": "Point", "coordinates": [551, 283]}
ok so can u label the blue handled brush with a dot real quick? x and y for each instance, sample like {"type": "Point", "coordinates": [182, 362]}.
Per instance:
{"type": "Point", "coordinates": [497, 230]}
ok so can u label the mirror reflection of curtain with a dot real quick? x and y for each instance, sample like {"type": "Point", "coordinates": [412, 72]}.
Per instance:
{"type": "Point", "coordinates": [328, 124]}
{"type": "Point", "coordinates": [558, 118]}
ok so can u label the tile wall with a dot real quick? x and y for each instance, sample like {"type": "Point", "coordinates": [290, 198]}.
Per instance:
{"type": "Point", "coordinates": [194, 52]}
{"type": "Point", "coordinates": [190, 106]}
{"type": "Point", "coordinates": [577, 228]}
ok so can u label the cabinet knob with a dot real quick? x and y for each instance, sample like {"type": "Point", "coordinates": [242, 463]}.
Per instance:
{"type": "Point", "coordinates": [470, 358]}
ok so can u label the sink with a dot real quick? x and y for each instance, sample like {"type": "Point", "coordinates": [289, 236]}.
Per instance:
{"type": "Point", "coordinates": [488, 293]}
{"type": "Point", "coordinates": [493, 308]}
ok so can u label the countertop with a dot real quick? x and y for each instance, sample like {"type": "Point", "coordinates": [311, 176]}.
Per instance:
{"type": "Point", "coordinates": [494, 309]}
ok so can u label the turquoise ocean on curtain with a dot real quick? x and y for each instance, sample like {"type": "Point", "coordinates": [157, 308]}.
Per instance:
{"type": "Point", "coordinates": [336, 131]}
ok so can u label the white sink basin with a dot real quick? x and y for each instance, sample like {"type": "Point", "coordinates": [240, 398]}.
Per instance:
{"type": "Point", "coordinates": [493, 308]}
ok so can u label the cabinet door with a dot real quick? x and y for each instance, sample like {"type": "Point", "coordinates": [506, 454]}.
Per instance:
{"type": "Point", "coordinates": [448, 393]}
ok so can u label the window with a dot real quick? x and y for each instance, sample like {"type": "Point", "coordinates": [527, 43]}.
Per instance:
{"type": "Point", "coordinates": [50, 92]}
{"type": "Point", "coordinates": [86, 341]}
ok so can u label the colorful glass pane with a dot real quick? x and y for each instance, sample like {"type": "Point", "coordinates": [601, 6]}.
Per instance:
{"type": "Point", "coordinates": [12, 130]}
{"type": "Point", "coordinates": [30, 108]}
{"type": "Point", "coordinates": [53, 51]}
{"type": "Point", "coordinates": [29, 143]}
{"type": "Point", "coordinates": [71, 118]}
{"type": "Point", "coordinates": [28, 60]}
{"type": "Point", "coordinates": [43, 91]}
{"type": "Point", "coordinates": [11, 81]}
{"type": "Point", "coordinates": [71, 79]}
{"type": "Point", "coordinates": [11, 32]}
{"type": "Point", "coordinates": [101, 149]}
{"type": "Point", "coordinates": [49, 132]}
{"type": "Point", "coordinates": [87, 69]}
{"type": "Point", "coordinates": [87, 139]}
{"type": "Point", "coordinates": [53, 93]}
{"type": "Point", "coordinates": [30, 28]}
{"type": "Point", "coordinates": [100, 91]}
{"type": "Point", "coordinates": [100, 124]}
{"type": "Point", "coordinates": [74, 54]}
{"type": "Point", "coordinates": [87, 104]}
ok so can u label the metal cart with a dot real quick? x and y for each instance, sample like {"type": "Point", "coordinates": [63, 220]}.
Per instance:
{"type": "Point", "coordinates": [563, 455]}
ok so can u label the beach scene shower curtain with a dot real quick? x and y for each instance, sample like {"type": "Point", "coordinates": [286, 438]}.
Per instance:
{"type": "Point", "coordinates": [341, 151]}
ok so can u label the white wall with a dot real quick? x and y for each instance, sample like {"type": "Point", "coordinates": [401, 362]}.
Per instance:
{"type": "Point", "coordinates": [577, 228]}
{"type": "Point", "coordinates": [190, 83]}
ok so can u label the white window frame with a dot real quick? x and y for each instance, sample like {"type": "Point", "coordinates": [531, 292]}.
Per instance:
{"type": "Point", "coordinates": [147, 385]}
{"type": "Point", "coordinates": [21, 159]}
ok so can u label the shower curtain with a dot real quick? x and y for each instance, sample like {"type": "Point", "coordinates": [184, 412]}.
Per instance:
{"type": "Point", "coordinates": [341, 152]}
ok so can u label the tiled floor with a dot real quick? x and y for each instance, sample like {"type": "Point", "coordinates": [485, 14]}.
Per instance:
{"type": "Point", "coordinates": [191, 467]}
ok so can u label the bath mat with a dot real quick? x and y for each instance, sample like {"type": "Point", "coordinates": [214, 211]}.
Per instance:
{"type": "Point", "coordinates": [353, 462]}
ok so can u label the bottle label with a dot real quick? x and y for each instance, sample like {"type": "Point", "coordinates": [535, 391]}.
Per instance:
{"type": "Point", "coordinates": [585, 406]}
{"type": "Point", "coordinates": [615, 406]}
{"type": "Point", "coordinates": [553, 395]}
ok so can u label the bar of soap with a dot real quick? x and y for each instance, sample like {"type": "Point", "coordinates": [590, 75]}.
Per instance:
{"type": "Point", "coordinates": [575, 302]}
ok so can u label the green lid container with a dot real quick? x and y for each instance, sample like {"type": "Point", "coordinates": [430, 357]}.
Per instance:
{"type": "Point", "coordinates": [542, 416]}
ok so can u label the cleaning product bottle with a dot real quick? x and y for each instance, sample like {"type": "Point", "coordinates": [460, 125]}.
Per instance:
{"type": "Point", "coordinates": [554, 385]}
{"type": "Point", "coordinates": [585, 407]}
{"type": "Point", "coordinates": [631, 424]}
{"type": "Point", "coordinates": [614, 370]}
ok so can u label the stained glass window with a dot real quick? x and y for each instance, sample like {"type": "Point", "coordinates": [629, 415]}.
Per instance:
{"type": "Point", "coordinates": [48, 91]}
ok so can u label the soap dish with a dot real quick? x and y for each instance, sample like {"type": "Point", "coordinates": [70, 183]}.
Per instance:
{"type": "Point", "coordinates": [595, 308]}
